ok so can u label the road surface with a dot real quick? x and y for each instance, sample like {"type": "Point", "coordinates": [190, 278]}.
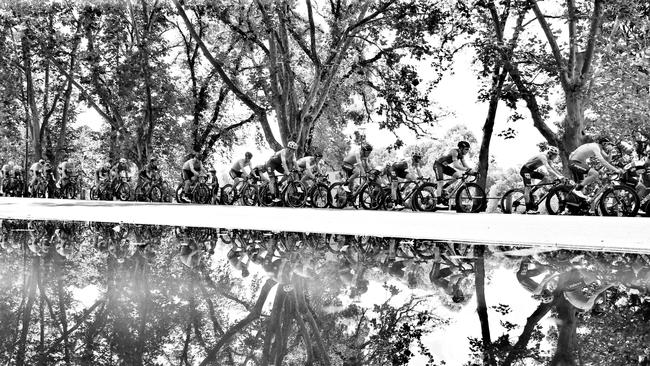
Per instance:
{"type": "Point", "coordinates": [560, 232]}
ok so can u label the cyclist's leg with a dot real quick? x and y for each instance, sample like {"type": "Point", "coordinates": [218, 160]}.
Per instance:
{"type": "Point", "coordinates": [273, 180]}
{"type": "Point", "coordinates": [583, 173]}
{"type": "Point", "coordinates": [187, 178]}
{"type": "Point", "coordinates": [438, 170]}
{"type": "Point", "coordinates": [392, 176]}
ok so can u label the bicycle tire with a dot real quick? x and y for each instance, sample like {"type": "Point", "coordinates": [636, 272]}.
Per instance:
{"type": "Point", "coordinates": [387, 202]}
{"type": "Point", "coordinates": [630, 203]}
{"type": "Point", "coordinates": [69, 192]}
{"type": "Point", "coordinates": [216, 198]}
{"type": "Point", "coordinates": [201, 194]}
{"type": "Point", "coordinates": [556, 200]}
{"type": "Point", "coordinates": [320, 197]}
{"type": "Point", "coordinates": [265, 197]}
{"type": "Point", "coordinates": [178, 192]}
{"type": "Point", "coordinates": [408, 190]}
{"type": "Point", "coordinates": [227, 195]}
{"type": "Point", "coordinates": [155, 194]}
{"type": "Point", "coordinates": [425, 202]}
{"type": "Point", "coordinates": [295, 195]}
{"type": "Point", "coordinates": [337, 196]}
{"type": "Point", "coordinates": [249, 195]}
{"type": "Point", "coordinates": [94, 195]}
{"type": "Point", "coordinates": [123, 192]}
{"type": "Point", "coordinates": [371, 196]}
{"type": "Point", "coordinates": [513, 202]}
{"type": "Point", "coordinates": [140, 193]}
{"type": "Point", "coordinates": [473, 192]}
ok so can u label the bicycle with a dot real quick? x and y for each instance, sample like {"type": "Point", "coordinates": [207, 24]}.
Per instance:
{"type": "Point", "coordinates": [70, 189]}
{"type": "Point", "coordinates": [122, 188]}
{"type": "Point", "coordinates": [465, 195]}
{"type": "Point", "coordinates": [245, 191]}
{"type": "Point", "coordinates": [513, 201]}
{"type": "Point", "coordinates": [101, 192]}
{"type": "Point", "coordinates": [199, 191]}
{"type": "Point", "coordinates": [291, 191]}
{"type": "Point", "coordinates": [39, 188]}
{"type": "Point", "coordinates": [610, 198]}
{"type": "Point", "coordinates": [419, 195]}
{"type": "Point", "coordinates": [318, 192]}
{"type": "Point", "coordinates": [150, 189]}
{"type": "Point", "coordinates": [368, 192]}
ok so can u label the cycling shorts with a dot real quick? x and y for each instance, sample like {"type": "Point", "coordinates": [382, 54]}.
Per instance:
{"type": "Point", "coordinates": [442, 170]}
{"type": "Point", "coordinates": [529, 174]}
{"type": "Point", "coordinates": [187, 174]}
{"type": "Point", "coordinates": [348, 169]}
{"type": "Point", "coordinates": [579, 169]}
{"type": "Point", "coordinates": [235, 174]}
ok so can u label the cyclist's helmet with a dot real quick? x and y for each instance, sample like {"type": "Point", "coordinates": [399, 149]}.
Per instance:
{"type": "Point", "coordinates": [248, 155]}
{"type": "Point", "coordinates": [366, 147]}
{"type": "Point", "coordinates": [292, 145]}
{"type": "Point", "coordinates": [604, 140]}
{"type": "Point", "coordinates": [123, 161]}
{"type": "Point", "coordinates": [42, 161]}
{"type": "Point", "coordinates": [552, 150]}
{"type": "Point", "coordinates": [463, 145]}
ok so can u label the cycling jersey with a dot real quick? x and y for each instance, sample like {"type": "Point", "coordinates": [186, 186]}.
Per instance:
{"type": "Point", "coordinates": [102, 173]}
{"type": "Point", "coordinates": [36, 168]}
{"type": "Point", "coordinates": [398, 169]}
{"type": "Point", "coordinates": [536, 161]}
{"type": "Point", "coordinates": [240, 164]}
{"type": "Point", "coordinates": [302, 163]}
{"type": "Point", "coordinates": [578, 159]}
{"type": "Point", "coordinates": [187, 168]}
{"type": "Point", "coordinates": [275, 162]}
{"type": "Point", "coordinates": [449, 157]}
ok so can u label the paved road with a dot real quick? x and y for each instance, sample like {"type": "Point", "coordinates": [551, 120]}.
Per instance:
{"type": "Point", "coordinates": [589, 233]}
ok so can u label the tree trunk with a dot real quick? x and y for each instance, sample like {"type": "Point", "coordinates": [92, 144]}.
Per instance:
{"type": "Point", "coordinates": [566, 343]}
{"type": "Point", "coordinates": [481, 306]}
{"type": "Point", "coordinates": [27, 315]}
{"type": "Point", "coordinates": [573, 121]}
{"type": "Point", "coordinates": [522, 342]}
{"type": "Point", "coordinates": [34, 115]}
{"type": "Point", "coordinates": [498, 79]}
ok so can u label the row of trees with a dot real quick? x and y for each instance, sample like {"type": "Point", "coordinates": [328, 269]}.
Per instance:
{"type": "Point", "coordinates": [169, 77]}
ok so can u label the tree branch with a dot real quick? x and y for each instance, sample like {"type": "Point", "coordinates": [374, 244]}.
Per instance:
{"type": "Point", "coordinates": [559, 60]}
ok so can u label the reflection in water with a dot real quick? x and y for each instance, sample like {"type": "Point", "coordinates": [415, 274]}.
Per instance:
{"type": "Point", "coordinates": [104, 294]}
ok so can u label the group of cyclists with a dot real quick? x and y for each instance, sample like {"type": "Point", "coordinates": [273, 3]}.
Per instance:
{"type": "Point", "coordinates": [451, 166]}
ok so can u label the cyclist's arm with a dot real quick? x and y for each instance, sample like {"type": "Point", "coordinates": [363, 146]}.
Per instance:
{"type": "Point", "coordinates": [194, 171]}
{"type": "Point", "coordinates": [283, 159]}
{"type": "Point", "coordinates": [551, 169]}
{"type": "Point", "coordinates": [607, 164]}
{"type": "Point", "coordinates": [458, 163]}
{"type": "Point", "coordinates": [418, 170]}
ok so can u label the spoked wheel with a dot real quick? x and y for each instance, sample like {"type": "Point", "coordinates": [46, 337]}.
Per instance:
{"type": "Point", "coordinates": [513, 202]}
{"type": "Point", "coordinates": [227, 195]}
{"type": "Point", "coordinates": [156, 195]}
{"type": "Point", "coordinates": [338, 197]}
{"type": "Point", "coordinates": [179, 193]}
{"type": "Point", "coordinates": [556, 201]}
{"type": "Point", "coordinates": [70, 191]}
{"type": "Point", "coordinates": [320, 196]}
{"type": "Point", "coordinates": [619, 201]}
{"type": "Point", "coordinates": [371, 196]}
{"type": "Point", "coordinates": [265, 196]}
{"type": "Point", "coordinates": [141, 193]}
{"type": "Point", "coordinates": [123, 192]}
{"type": "Point", "coordinates": [249, 195]}
{"type": "Point", "coordinates": [201, 194]}
{"type": "Point", "coordinates": [424, 199]}
{"type": "Point", "coordinates": [216, 198]}
{"type": "Point", "coordinates": [470, 198]}
{"type": "Point", "coordinates": [94, 194]}
{"type": "Point", "coordinates": [408, 190]}
{"type": "Point", "coordinates": [295, 195]}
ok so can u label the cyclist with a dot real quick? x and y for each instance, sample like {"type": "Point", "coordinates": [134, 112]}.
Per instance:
{"type": "Point", "coordinates": [49, 178]}
{"type": "Point", "coordinates": [237, 172]}
{"type": "Point", "coordinates": [356, 164]}
{"type": "Point", "coordinates": [119, 170]}
{"type": "Point", "coordinates": [258, 172]}
{"type": "Point", "coordinates": [36, 171]}
{"type": "Point", "coordinates": [308, 166]}
{"type": "Point", "coordinates": [5, 175]}
{"type": "Point", "coordinates": [67, 168]}
{"type": "Point", "coordinates": [585, 174]}
{"type": "Point", "coordinates": [452, 164]}
{"type": "Point", "coordinates": [102, 175]}
{"type": "Point", "coordinates": [282, 161]}
{"type": "Point", "coordinates": [212, 179]}
{"type": "Point", "coordinates": [150, 170]}
{"type": "Point", "coordinates": [192, 169]}
{"type": "Point", "coordinates": [17, 179]}
{"type": "Point", "coordinates": [403, 170]}
{"type": "Point", "coordinates": [529, 172]}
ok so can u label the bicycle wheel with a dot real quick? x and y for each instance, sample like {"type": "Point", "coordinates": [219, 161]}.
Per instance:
{"type": "Point", "coordinates": [320, 196]}
{"type": "Point", "coordinates": [371, 196]}
{"type": "Point", "coordinates": [407, 192]}
{"type": "Point", "coordinates": [227, 195]}
{"type": "Point", "coordinates": [141, 193]}
{"type": "Point", "coordinates": [556, 201]}
{"type": "Point", "coordinates": [249, 195]}
{"type": "Point", "coordinates": [337, 196]}
{"type": "Point", "coordinates": [155, 195]}
{"type": "Point", "coordinates": [265, 196]}
{"type": "Point", "coordinates": [619, 200]}
{"type": "Point", "coordinates": [513, 202]}
{"type": "Point", "coordinates": [123, 192]}
{"type": "Point", "coordinates": [201, 194]}
{"type": "Point", "coordinates": [424, 199]}
{"type": "Point", "coordinates": [94, 195]}
{"type": "Point", "coordinates": [216, 199]}
{"type": "Point", "coordinates": [295, 195]}
{"type": "Point", "coordinates": [179, 192]}
{"type": "Point", "coordinates": [470, 198]}
{"type": "Point", "coordinates": [70, 191]}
